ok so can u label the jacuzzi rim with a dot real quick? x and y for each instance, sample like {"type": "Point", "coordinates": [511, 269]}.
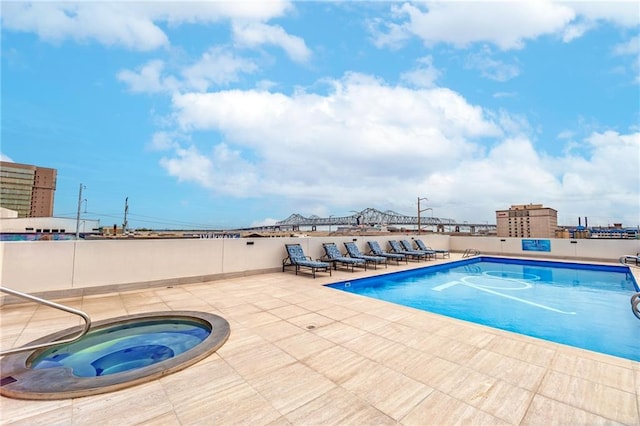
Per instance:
{"type": "Point", "coordinates": [60, 383]}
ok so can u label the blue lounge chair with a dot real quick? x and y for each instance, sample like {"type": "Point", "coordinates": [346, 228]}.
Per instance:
{"type": "Point", "coordinates": [407, 246]}
{"type": "Point", "coordinates": [334, 256]}
{"type": "Point", "coordinates": [423, 246]}
{"type": "Point", "coordinates": [354, 251]}
{"type": "Point", "coordinates": [413, 254]}
{"type": "Point", "coordinates": [298, 259]}
{"type": "Point", "coordinates": [376, 250]}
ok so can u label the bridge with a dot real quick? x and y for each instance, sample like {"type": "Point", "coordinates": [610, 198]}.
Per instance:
{"type": "Point", "coordinates": [370, 217]}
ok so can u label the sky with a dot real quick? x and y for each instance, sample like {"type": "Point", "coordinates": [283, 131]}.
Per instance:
{"type": "Point", "coordinates": [219, 115]}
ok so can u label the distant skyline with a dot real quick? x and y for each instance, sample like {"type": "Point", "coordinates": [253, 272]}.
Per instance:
{"type": "Point", "coordinates": [235, 114]}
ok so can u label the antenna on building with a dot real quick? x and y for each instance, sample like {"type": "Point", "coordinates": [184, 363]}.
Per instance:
{"type": "Point", "coordinates": [126, 210]}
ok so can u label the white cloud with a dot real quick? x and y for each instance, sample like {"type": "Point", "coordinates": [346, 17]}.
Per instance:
{"type": "Point", "coordinates": [510, 173]}
{"type": "Point", "coordinates": [577, 30]}
{"type": "Point", "coordinates": [4, 157]}
{"type": "Point", "coordinates": [367, 143]}
{"type": "Point", "coordinates": [507, 25]}
{"type": "Point", "coordinates": [218, 67]}
{"type": "Point", "coordinates": [370, 137]}
{"type": "Point", "coordinates": [109, 23]}
{"type": "Point", "coordinates": [254, 34]}
{"type": "Point", "coordinates": [357, 103]}
{"type": "Point", "coordinates": [133, 25]}
{"type": "Point", "coordinates": [149, 79]}
{"type": "Point", "coordinates": [624, 13]}
{"type": "Point", "coordinates": [491, 68]}
{"type": "Point", "coordinates": [630, 47]}
{"type": "Point", "coordinates": [424, 75]}
{"type": "Point", "coordinates": [499, 95]}
{"type": "Point", "coordinates": [566, 134]}
{"type": "Point", "coordinates": [223, 171]}
{"type": "Point", "coordinates": [191, 166]}
{"type": "Point", "coordinates": [514, 173]}
{"type": "Point", "coordinates": [388, 34]}
{"type": "Point", "coordinates": [164, 141]}
{"type": "Point", "coordinates": [608, 171]}
{"type": "Point", "coordinates": [269, 221]}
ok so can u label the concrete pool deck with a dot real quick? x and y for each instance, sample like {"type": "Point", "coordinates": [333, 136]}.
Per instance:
{"type": "Point", "coordinates": [300, 353]}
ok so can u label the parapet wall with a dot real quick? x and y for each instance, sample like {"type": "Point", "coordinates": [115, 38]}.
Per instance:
{"type": "Point", "coordinates": [82, 267]}
{"type": "Point", "coordinates": [606, 250]}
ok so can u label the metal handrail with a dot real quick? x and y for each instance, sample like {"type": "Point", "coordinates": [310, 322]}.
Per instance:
{"type": "Point", "coordinates": [470, 252]}
{"type": "Point", "coordinates": [635, 305]}
{"type": "Point", "coordinates": [635, 260]}
{"type": "Point", "coordinates": [85, 317]}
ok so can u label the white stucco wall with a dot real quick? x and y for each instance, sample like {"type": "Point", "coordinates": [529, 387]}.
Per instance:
{"type": "Point", "coordinates": [599, 249]}
{"type": "Point", "coordinates": [42, 266]}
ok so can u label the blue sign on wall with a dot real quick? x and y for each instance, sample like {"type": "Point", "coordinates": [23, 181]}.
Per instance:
{"type": "Point", "coordinates": [536, 245]}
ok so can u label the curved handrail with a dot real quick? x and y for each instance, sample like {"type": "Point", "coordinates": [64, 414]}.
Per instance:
{"type": "Point", "coordinates": [471, 252]}
{"type": "Point", "coordinates": [85, 317]}
{"type": "Point", "coordinates": [635, 305]}
{"type": "Point", "coordinates": [634, 258]}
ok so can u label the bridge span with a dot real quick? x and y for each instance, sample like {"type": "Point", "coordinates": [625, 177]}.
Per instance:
{"type": "Point", "coordinates": [370, 217]}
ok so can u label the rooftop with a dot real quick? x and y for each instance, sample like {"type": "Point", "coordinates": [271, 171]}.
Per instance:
{"type": "Point", "coordinates": [301, 353]}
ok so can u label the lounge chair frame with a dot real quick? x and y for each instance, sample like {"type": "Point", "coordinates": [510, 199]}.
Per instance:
{"type": "Point", "coordinates": [335, 257]}
{"type": "Point", "coordinates": [354, 251]}
{"type": "Point", "coordinates": [297, 259]}
{"type": "Point", "coordinates": [422, 246]}
{"type": "Point", "coordinates": [429, 254]}
{"type": "Point", "coordinates": [412, 254]}
{"type": "Point", "coordinates": [376, 250]}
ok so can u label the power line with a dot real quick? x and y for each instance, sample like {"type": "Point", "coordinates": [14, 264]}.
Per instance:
{"type": "Point", "coordinates": [148, 219]}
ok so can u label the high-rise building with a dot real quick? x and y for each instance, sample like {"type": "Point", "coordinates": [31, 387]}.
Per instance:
{"type": "Point", "coordinates": [27, 189]}
{"type": "Point", "coordinates": [527, 221]}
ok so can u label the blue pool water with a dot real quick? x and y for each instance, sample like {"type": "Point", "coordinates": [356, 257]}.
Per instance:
{"type": "Point", "coordinates": [585, 306]}
{"type": "Point", "coordinates": [124, 347]}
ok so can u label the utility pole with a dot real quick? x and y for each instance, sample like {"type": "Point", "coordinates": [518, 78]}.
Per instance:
{"type": "Point", "coordinates": [126, 211]}
{"type": "Point", "coordinates": [419, 212]}
{"type": "Point", "coordinates": [78, 215]}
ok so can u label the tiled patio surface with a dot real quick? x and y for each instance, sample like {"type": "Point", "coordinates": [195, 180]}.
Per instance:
{"type": "Point", "coordinates": [303, 354]}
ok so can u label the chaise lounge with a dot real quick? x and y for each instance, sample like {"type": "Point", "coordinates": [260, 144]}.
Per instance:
{"type": "Point", "coordinates": [354, 251]}
{"type": "Point", "coordinates": [413, 254]}
{"type": "Point", "coordinates": [334, 256]}
{"type": "Point", "coordinates": [423, 246]}
{"type": "Point", "coordinates": [430, 254]}
{"type": "Point", "coordinates": [376, 250]}
{"type": "Point", "coordinates": [298, 259]}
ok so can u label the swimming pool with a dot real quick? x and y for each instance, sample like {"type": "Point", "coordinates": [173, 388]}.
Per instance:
{"type": "Point", "coordinates": [586, 306]}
